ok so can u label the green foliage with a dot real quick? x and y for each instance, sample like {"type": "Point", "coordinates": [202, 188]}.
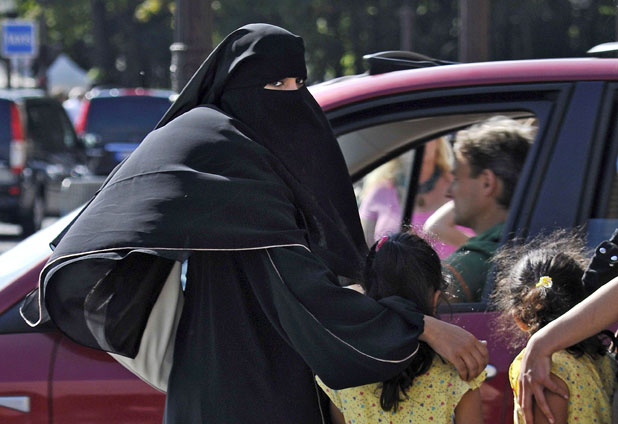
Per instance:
{"type": "Point", "coordinates": [137, 35]}
{"type": "Point", "coordinates": [337, 34]}
{"type": "Point", "coordinates": [546, 29]}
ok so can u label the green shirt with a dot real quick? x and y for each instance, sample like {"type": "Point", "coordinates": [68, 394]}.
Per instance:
{"type": "Point", "coordinates": [469, 264]}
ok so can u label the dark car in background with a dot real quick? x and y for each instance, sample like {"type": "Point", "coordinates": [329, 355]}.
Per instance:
{"type": "Point", "coordinates": [38, 150]}
{"type": "Point", "coordinates": [113, 121]}
{"type": "Point", "coordinates": [570, 179]}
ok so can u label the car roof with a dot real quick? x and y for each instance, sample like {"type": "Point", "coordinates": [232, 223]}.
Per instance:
{"type": "Point", "coordinates": [331, 95]}
{"type": "Point", "coordinates": [122, 92]}
{"type": "Point", "coordinates": [21, 93]}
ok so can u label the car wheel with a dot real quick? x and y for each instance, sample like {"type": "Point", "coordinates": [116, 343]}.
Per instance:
{"type": "Point", "coordinates": [33, 219]}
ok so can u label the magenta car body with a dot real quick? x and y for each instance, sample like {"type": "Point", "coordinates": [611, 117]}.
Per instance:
{"type": "Point", "coordinates": [570, 179]}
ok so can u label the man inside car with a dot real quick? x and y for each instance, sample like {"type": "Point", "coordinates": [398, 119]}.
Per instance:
{"type": "Point", "coordinates": [489, 157]}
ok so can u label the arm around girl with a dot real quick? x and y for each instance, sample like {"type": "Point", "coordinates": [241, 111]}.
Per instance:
{"type": "Point", "coordinates": [429, 389]}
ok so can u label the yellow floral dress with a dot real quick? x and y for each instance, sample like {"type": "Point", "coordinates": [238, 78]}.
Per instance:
{"type": "Point", "coordinates": [432, 398]}
{"type": "Point", "coordinates": [591, 385]}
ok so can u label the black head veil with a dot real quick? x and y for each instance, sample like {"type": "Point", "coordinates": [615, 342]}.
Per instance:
{"type": "Point", "coordinates": [288, 123]}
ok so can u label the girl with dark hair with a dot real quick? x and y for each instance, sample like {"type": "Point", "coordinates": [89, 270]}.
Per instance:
{"type": "Point", "coordinates": [429, 389]}
{"type": "Point", "coordinates": [538, 282]}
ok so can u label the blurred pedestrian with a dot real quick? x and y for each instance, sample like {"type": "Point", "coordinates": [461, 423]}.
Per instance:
{"type": "Point", "coordinates": [73, 103]}
{"type": "Point", "coordinates": [384, 188]}
{"type": "Point", "coordinates": [245, 181]}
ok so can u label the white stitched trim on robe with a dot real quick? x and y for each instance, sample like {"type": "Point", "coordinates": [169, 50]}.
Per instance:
{"type": "Point", "coordinates": [392, 361]}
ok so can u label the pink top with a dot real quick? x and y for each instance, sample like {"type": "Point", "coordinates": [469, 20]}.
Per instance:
{"type": "Point", "coordinates": [382, 206]}
{"type": "Point", "coordinates": [443, 249]}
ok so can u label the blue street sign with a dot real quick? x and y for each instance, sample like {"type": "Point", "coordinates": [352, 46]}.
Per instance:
{"type": "Point", "coordinates": [19, 38]}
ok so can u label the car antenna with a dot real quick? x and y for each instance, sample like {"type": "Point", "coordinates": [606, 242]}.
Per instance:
{"type": "Point", "coordinates": [397, 60]}
{"type": "Point", "coordinates": [604, 49]}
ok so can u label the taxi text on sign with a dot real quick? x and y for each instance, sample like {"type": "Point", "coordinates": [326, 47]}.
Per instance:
{"type": "Point", "coordinates": [19, 38]}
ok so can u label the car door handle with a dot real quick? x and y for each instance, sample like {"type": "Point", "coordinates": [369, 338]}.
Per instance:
{"type": "Point", "coordinates": [491, 371]}
{"type": "Point", "coordinates": [17, 403]}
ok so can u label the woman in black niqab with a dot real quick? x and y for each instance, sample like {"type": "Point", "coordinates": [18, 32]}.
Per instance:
{"type": "Point", "coordinates": [291, 125]}
{"type": "Point", "coordinates": [249, 186]}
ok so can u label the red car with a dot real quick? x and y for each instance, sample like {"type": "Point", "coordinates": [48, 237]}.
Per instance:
{"type": "Point", "coordinates": [570, 178]}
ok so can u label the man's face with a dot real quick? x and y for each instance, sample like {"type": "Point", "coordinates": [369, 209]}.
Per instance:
{"type": "Point", "coordinates": [466, 192]}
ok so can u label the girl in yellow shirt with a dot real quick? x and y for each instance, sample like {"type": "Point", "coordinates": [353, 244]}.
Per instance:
{"type": "Point", "coordinates": [430, 389]}
{"type": "Point", "coordinates": [538, 282]}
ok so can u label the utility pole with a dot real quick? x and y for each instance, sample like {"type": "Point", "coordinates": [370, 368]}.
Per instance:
{"type": "Point", "coordinates": [192, 39]}
{"type": "Point", "coordinates": [43, 59]}
{"type": "Point", "coordinates": [473, 31]}
{"type": "Point", "coordinates": [103, 55]}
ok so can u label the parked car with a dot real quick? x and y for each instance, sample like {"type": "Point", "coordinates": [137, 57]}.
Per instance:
{"type": "Point", "coordinates": [38, 149]}
{"type": "Point", "coordinates": [113, 121]}
{"type": "Point", "coordinates": [570, 178]}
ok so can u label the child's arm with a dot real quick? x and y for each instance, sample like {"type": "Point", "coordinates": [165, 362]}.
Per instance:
{"type": "Point", "coordinates": [335, 414]}
{"type": "Point", "coordinates": [557, 404]}
{"type": "Point", "coordinates": [468, 410]}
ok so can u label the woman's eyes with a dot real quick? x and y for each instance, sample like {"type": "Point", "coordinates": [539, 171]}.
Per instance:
{"type": "Point", "coordinates": [281, 83]}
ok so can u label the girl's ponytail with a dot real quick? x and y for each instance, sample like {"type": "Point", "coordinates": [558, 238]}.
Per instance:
{"type": "Point", "coordinates": [393, 389]}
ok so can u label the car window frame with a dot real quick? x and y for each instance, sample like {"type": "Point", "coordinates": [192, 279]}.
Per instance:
{"type": "Point", "coordinates": [605, 155]}
{"type": "Point", "coordinates": [556, 154]}
{"type": "Point", "coordinates": [547, 101]}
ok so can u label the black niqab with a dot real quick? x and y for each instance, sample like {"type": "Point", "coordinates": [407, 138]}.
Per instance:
{"type": "Point", "coordinates": [291, 125]}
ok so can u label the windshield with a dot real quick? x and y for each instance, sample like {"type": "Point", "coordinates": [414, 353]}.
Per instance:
{"type": "Point", "coordinates": [125, 119]}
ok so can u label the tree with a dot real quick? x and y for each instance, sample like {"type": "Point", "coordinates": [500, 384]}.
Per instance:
{"type": "Point", "coordinates": [122, 42]}
{"type": "Point", "coordinates": [337, 33]}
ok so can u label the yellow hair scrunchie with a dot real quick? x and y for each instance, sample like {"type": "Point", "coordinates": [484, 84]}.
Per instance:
{"type": "Point", "coordinates": [545, 282]}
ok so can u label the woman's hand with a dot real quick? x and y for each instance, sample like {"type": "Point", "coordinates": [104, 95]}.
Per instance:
{"type": "Point", "coordinates": [457, 346]}
{"type": "Point", "coordinates": [534, 378]}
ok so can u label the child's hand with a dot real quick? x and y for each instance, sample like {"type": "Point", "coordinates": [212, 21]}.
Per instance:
{"type": "Point", "coordinates": [457, 346]}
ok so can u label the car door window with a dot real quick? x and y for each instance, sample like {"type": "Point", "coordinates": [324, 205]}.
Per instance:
{"type": "Point", "coordinates": [45, 127]}
{"type": "Point", "coordinates": [397, 129]}
{"type": "Point", "coordinates": [407, 190]}
{"type": "Point", "coordinates": [68, 133]}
